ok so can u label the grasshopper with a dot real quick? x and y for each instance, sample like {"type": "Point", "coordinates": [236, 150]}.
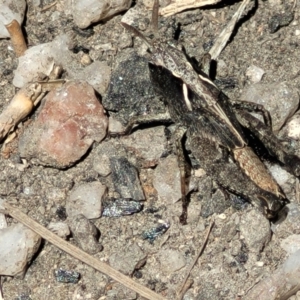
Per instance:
{"type": "Point", "coordinates": [214, 126]}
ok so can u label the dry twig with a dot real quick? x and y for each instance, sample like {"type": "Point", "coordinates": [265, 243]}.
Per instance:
{"type": "Point", "coordinates": [17, 38]}
{"type": "Point", "coordinates": [179, 5]}
{"type": "Point", "coordinates": [184, 285]}
{"type": "Point", "coordinates": [227, 32]}
{"type": "Point", "coordinates": [80, 254]}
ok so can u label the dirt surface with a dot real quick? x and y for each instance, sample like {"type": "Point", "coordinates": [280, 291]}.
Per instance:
{"type": "Point", "coordinates": [234, 259]}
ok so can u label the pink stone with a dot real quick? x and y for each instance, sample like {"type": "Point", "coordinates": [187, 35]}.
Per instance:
{"type": "Point", "coordinates": [71, 119]}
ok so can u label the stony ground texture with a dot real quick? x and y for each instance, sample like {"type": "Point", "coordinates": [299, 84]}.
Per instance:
{"type": "Point", "coordinates": [242, 249]}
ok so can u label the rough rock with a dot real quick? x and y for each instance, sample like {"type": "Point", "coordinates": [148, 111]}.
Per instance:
{"type": "Point", "coordinates": [130, 91]}
{"type": "Point", "coordinates": [255, 74]}
{"type": "Point", "coordinates": [85, 234]}
{"type": "Point", "coordinates": [148, 145]}
{"type": "Point", "coordinates": [70, 120]}
{"type": "Point", "coordinates": [18, 244]}
{"type": "Point", "coordinates": [217, 203]}
{"type": "Point", "coordinates": [288, 225]}
{"type": "Point", "coordinates": [293, 127]}
{"type": "Point", "coordinates": [58, 52]}
{"type": "Point", "coordinates": [258, 234]}
{"type": "Point", "coordinates": [105, 150]}
{"type": "Point", "coordinates": [125, 178]}
{"type": "Point", "coordinates": [87, 12]}
{"type": "Point", "coordinates": [171, 260]}
{"type": "Point", "coordinates": [86, 199]}
{"type": "Point", "coordinates": [291, 244]}
{"type": "Point", "coordinates": [166, 179]}
{"type": "Point", "coordinates": [281, 284]}
{"type": "Point", "coordinates": [127, 260]}
{"type": "Point", "coordinates": [279, 99]}
{"type": "Point", "coordinates": [59, 228]}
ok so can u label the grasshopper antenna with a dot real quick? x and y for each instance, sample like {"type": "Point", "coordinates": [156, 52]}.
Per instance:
{"type": "Point", "coordinates": [154, 20]}
{"type": "Point", "coordinates": [136, 33]}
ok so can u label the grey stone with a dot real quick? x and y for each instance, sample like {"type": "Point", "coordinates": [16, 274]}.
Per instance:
{"type": "Point", "coordinates": [279, 99]}
{"type": "Point", "coordinates": [216, 204]}
{"type": "Point", "coordinates": [290, 224]}
{"type": "Point", "coordinates": [18, 244]}
{"type": "Point", "coordinates": [126, 260]}
{"type": "Point", "coordinates": [87, 12]}
{"type": "Point", "coordinates": [171, 260]}
{"type": "Point", "coordinates": [125, 179]}
{"type": "Point", "coordinates": [255, 229]}
{"type": "Point", "coordinates": [85, 234]}
{"type": "Point", "coordinates": [86, 199]}
{"type": "Point", "coordinates": [148, 144]}
{"type": "Point", "coordinates": [291, 244]}
{"type": "Point", "coordinates": [166, 179]}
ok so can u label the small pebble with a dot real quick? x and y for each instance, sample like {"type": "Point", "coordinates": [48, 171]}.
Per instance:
{"type": "Point", "coordinates": [97, 74]}
{"type": "Point", "coordinates": [291, 244]}
{"type": "Point", "coordinates": [255, 74]}
{"type": "Point", "coordinates": [260, 263]}
{"type": "Point", "coordinates": [66, 276]}
{"type": "Point", "coordinates": [293, 127]}
{"type": "Point", "coordinates": [166, 179]}
{"type": "Point", "coordinates": [120, 207]}
{"type": "Point", "coordinates": [59, 228]}
{"type": "Point", "coordinates": [126, 260]}
{"type": "Point", "coordinates": [71, 119]}
{"type": "Point", "coordinates": [152, 233]}
{"type": "Point", "coordinates": [85, 234]}
{"type": "Point", "coordinates": [222, 216]}
{"type": "Point", "coordinates": [86, 199]}
{"type": "Point", "coordinates": [255, 228]}
{"type": "Point", "coordinates": [85, 13]}
{"type": "Point", "coordinates": [171, 260]}
{"type": "Point", "coordinates": [85, 60]}
{"type": "Point", "coordinates": [125, 178]}
{"type": "Point", "coordinates": [279, 98]}
{"type": "Point", "coordinates": [291, 223]}
{"type": "Point", "coordinates": [280, 20]}
{"type": "Point", "coordinates": [18, 245]}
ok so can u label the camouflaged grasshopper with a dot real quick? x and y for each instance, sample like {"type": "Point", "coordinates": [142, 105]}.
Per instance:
{"type": "Point", "coordinates": [214, 126]}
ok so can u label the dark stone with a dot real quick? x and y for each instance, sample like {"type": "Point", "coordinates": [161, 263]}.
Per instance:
{"type": "Point", "coordinates": [125, 179]}
{"type": "Point", "coordinates": [280, 20]}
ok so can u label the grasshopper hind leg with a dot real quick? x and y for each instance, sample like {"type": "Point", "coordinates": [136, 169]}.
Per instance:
{"type": "Point", "coordinates": [263, 133]}
{"type": "Point", "coordinates": [230, 176]}
{"type": "Point", "coordinates": [185, 172]}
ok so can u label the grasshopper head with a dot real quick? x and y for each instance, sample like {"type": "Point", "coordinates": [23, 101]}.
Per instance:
{"type": "Point", "coordinates": [270, 204]}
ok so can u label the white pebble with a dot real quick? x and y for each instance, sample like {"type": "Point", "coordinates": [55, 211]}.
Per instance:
{"type": "Point", "coordinates": [18, 244]}
{"type": "Point", "coordinates": [255, 74]}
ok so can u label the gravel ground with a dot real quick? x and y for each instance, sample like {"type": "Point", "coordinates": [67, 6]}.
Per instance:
{"type": "Point", "coordinates": [241, 249]}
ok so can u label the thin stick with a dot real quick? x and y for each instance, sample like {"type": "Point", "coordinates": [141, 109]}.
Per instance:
{"type": "Point", "coordinates": [177, 6]}
{"type": "Point", "coordinates": [183, 288]}
{"type": "Point", "coordinates": [155, 17]}
{"type": "Point", "coordinates": [1, 296]}
{"type": "Point", "coordinates": [48, 6]}
{"type": "Point", "coordinates": [17, 37]}
{"type": "Point", "coordinates": [79, 254]}
{"type": "Point", "coordinates": [227, 32]}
